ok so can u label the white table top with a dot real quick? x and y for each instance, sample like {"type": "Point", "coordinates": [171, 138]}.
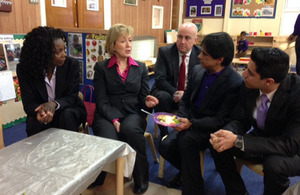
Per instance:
{"type": "Point", "coordinates": [57, 161]}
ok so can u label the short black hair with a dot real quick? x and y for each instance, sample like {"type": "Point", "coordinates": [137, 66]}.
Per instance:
{"type": "Point", "coordinates": [271, 63]}
{"type": "Point", "coordinates": [37, 51]}
{"type": "Point", "coordinates": [243, 33]}
{"type": "Point", "coordinates": [219, 45]}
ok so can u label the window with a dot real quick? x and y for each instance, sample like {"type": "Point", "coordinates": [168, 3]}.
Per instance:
{"type": "Point", "coordinates": [290, 12]}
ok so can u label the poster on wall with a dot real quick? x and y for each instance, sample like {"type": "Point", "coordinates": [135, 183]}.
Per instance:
{"type": "Point", "coordinates": [205, 8]}
{"type": "Point", "coordinates": [3, 63]}
{"type": "Point", "coordinates": [75, 45]}
{"type": "Point", "coordinates": [95, 51]}
{"type": "Point", "coordinates": [253, 8]}
{"type": "Point", "coordinates": [7, 89]}
{"type": "Point", "coordinates": [13, 52]}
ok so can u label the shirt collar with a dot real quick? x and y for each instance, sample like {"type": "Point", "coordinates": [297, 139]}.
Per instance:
{"type": "Point", "coordinates": [113, 61]}
{"type": "Point", "coordinates": [217, 73]}
{"type": "Point", "coordinates": [187, 54]}
{"type": "Point", "coordinates": [269, 95]}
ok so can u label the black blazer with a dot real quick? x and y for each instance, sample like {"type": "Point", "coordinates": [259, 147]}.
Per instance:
{"type": "Point", "coordinates": [282, 125]}
{"type": "Point", "coordinates": [114, 98]}
{"type": "Point", "coordinates": [167, 67]}
{"type": "Point", "coordinates": [218, 103]}
{"type": "Point", "coordinates": [34, 92]}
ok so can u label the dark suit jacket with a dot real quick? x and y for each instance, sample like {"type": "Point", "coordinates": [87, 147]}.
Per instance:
{"type": "Point", "coordinates": [282, 125]}
{"type": "Point", "coordinates": [167, 67]}
{"type": "Point", "coordinates": [218, 103]}
{"type": "Point", "coordinates": [34, 92]}
{"type": "Point", "coordinates": [114, 98]}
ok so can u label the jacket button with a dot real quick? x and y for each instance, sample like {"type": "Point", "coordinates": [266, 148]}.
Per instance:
{"type": "Point", "coordinates": [123, 101]}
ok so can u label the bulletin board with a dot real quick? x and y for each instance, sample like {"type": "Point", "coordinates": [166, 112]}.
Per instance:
{"type": "Point", "coordinates": [205, 8]}
{"type": "Point", "coordinates": [253, 8]}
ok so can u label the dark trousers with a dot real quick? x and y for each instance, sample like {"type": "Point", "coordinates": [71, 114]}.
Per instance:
{"type": "Point", "coordinates": [166, 104]}
{"type": "Point", "coordinates": [132, 131]}
{"type": "Point", "coordinates": [181, 149]}
{"type": "Point", "coordinates": [276, 168]}
{"type": "Point", "coordinates": [297, 48]}
{"type": "Point", "coordinates": [68, 118]}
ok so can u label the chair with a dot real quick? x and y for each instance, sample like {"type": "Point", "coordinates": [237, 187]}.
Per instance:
{"type": "Point", "coordinates": [149, 137]}
{"type": "Point", "coordinates": [256, 167]}
{"type": "Point", "coordinates": [1, 136]}
{"type": "Point", "coordinates": [162, 163]}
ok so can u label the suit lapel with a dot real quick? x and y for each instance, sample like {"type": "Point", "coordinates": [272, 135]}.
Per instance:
{"type": "Point", "coordinates": [133, 71]}
{"type": "Point", "coordinates": [175, 63]}
{"type": "Point", "coordinates": [114, 75]}
{"type": "Point", "coordinates": [41, 87]}
{"type": "Point", "coordinates": [198, 80]}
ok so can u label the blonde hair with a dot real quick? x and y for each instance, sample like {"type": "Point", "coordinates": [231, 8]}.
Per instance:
{"type": "Point", "coordinates": [113, 34]}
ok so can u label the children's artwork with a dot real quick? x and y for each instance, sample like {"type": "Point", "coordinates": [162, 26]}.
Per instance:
{"type": "Point", "coordinates": [3, 64]}
{"type": "Point", "coordinates": [13, 52]}
{"type": "Point", "coordinates": [237, 12]}
{"type": "Point", "coordinates": [257, 13]}
{"type": "Point", "coordinates": [253, 8]}
{"type": "Point", "coordinates": [193, 11]}
{"type": "Point", "coordinates": [5, 5]}
{"type": "Point", "coordinates": [17, 89]}
{"type": "Point", "coordinates": [157, 17]}
{"type": "Point", "coordinates": [95, 51]}
{"type": "Point", "coordinates": [75, 44]}
{"type": "Point", "coordinates": [199, 24]}
{"type": "Point", "coordinates": [269, 2]}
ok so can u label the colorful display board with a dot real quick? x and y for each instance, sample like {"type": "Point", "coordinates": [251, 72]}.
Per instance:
{"type": "Point", "coordinates": [253, 8]}
{"type": "Point", "coordinates": [205, 8]}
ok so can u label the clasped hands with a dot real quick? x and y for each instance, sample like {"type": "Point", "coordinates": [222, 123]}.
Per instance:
{"type": "Point", "coordinates": [45, 112]}
{"type": "Point", "coordinates": [222, 140]}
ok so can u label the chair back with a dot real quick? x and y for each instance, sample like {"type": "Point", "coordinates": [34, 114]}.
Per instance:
{"type": "Point", "coordinates": [1, 136]}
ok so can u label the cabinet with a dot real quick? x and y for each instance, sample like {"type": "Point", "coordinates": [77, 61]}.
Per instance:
{"type": "Point", "coordinates": [254, 41]}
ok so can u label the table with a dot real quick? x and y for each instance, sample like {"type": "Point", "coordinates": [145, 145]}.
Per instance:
{"type": "Point", "coordinates": [236, 61]}
{"type": "Point", "coordinates": [58, 161]}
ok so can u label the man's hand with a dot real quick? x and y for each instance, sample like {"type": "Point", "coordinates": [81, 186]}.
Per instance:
{"type": "Point", "coordinates": [222, 140]}
{"type": "Point", "coordinates": [117, 126]}
{"type": "Point", "coordinates": [177, 96]}
{"type": "Point", "coordinates": [184, 124]}
{"type": "Point", "coordinates": [151, 101]}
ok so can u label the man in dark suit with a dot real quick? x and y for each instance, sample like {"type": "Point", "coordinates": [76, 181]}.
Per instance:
{"type": "Point", "coordinates": [167, 69]}
{"type": "Point", "coordinates": [212, 90]}
{"type": "Point", "coordinates": [270, 105]}
{"type": "Point", "coordinates": [49, 82]}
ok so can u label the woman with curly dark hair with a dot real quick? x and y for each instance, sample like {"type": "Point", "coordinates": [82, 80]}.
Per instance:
{"type": "Point", "coordinates": [49, 82]}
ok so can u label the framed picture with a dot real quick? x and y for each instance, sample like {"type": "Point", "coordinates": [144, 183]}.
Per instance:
{"type": "Point", "coordinates": [218, 10]}
{"type": "Point", "coordinates": [157, 17]}
{"type": "Point", "coordinates": [131, 2]}
{"type": "Point", "coordinates": [206, 10]}
{"type": "Point", "coordinates": [193, 11]}
{"type": "Point", "coordinates": [92, 5]}
{"type": "Point", "coordinates": [59, 3]}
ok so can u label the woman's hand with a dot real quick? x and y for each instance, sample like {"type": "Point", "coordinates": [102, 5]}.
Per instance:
{"type": "Point", "coordinates": [117, 125]}
{"type": "Point", "coordinates": [151, 101]}
{"type": "Point", "coordinates": [45, 112]}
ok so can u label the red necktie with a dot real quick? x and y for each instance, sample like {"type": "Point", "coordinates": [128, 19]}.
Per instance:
{"type": "Point", "coordinates": [181, 79]}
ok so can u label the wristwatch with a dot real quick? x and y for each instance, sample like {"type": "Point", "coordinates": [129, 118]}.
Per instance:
{"type": "Point", "coordinates": [239, 143]}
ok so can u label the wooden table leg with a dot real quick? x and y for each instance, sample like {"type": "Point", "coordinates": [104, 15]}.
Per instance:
{"type": "Point", "coordinates": [120, 176]}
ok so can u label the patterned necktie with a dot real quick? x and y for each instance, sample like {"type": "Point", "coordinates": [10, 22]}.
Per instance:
{"type": "Point", "coordinates": [181, 79]}
{"type": "Point", "coordinates": [262, 111]}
